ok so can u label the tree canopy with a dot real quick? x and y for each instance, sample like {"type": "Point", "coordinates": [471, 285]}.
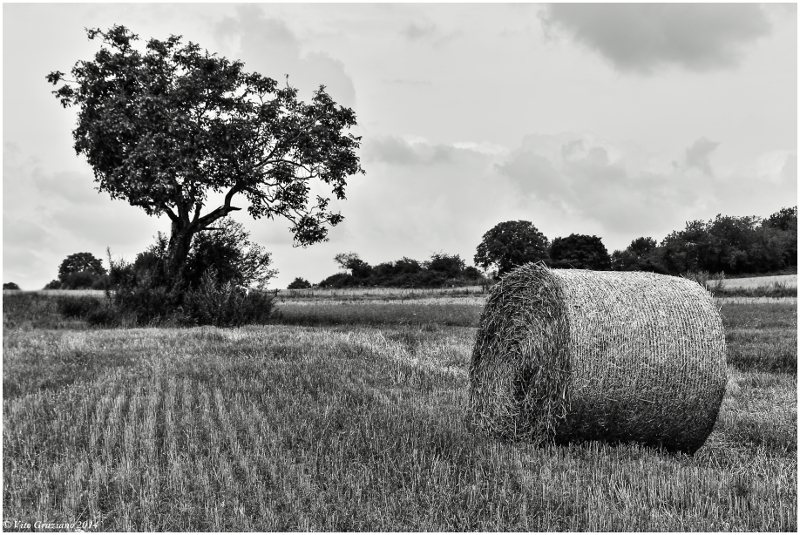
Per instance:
{"type": "Point", "coordinates": [732, 244]}
{"type": "Point", "coordinates": [579, 251]}
{"type": "Point", "coordinates": [511, 244]}
{"type": "Point", "coordinates": [298, 283]}
{"type": "Point", "coordinates": [78, 262]}
{"type": "Point", "coordinates": [166, 126]}
{"type": "Point", "coordinates": [441, 270]}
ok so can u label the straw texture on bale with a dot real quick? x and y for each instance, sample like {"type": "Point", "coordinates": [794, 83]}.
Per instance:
{"type": "Point", "coordinates": [567, 355]}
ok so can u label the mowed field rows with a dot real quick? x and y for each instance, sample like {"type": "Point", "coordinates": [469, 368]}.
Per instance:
{"type": "Point", "coordinates": [352, 417]}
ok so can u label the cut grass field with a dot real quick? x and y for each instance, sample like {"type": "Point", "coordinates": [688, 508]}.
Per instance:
{"type": "Point", "coordinates": [789, 281]}
{"type": "Point", "coordinates": [351, 417]}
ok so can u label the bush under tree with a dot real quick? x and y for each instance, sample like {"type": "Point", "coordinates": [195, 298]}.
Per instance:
{"type": "Point", "coordinates": [143, 289]}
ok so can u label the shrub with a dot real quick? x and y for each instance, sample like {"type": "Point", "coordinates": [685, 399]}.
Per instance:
{"type": "Point", "coordinates": [107, 315]}
{"type": "Point", "coordinates": [77, 307]}
{"type": "Point", "coordinates": [299, 284]}
{"type": "Point", "coordinates": [450, 266]}
{"type": "Point", "coordinates": [101, 283]}
{"type": "Point", "coordinates": [225, 305]}
{"type": "Point", "coordinates": [147, 304]}
{"type": "Point", "coordinates": [79, 280]}
{"type": "Point", "coordinates": [339, 280]}
{"type": "Point", "coordinates": [11, 286]}
{"type": "Point", "coordinates": [53, 285]}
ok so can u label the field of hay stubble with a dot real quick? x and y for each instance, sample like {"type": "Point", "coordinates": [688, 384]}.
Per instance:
{"type": "Point", "coordinates": [350, 416]}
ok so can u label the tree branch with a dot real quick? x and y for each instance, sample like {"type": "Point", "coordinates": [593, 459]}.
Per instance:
{"type": "Point", "coordinates": [171, 214]}
{"type": "Point", "coordinates": [223, 210]}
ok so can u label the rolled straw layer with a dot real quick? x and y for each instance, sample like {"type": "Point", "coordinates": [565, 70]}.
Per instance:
{"type": "Point", "coordinates": [566, 355]}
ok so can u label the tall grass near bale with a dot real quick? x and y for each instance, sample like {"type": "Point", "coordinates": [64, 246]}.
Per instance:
{"type": "Point", "coordinates": [579, 355]}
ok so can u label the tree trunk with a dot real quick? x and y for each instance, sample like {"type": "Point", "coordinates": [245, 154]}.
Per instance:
{"type": "Point", "coordinates": [178, 251]}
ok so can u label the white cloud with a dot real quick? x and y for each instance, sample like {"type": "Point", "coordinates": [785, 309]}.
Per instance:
{"type": "Point", "coordinates": [642, 38]}
{"type": "Point", "coordinates": [698, 155]}
{"type": "Point", "coordinates": [414, 31]}
{"type": "Point", "coordinates": [48, 216]}
{"type": "Point", "coordinates": [484, 147]}
{"type": "Point", "coordinates": [777, 166]}
{"type": "Point", "coordinates": [270, 47]}
{"type": "Point", "coordinates": [625, 192]}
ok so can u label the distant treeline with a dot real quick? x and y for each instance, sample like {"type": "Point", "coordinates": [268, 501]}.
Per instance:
{"type": "Point", "coordinates": [441, 270]}
{"type": "Point", "coordinates": [728, 244]}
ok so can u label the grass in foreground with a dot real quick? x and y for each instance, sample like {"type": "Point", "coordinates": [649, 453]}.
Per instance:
{"type": "Point", "coordinates": [350, 427]}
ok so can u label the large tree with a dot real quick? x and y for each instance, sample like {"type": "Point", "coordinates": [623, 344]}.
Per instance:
{"type": "Point", "coordinates": [511, 244]}
{"type": "Point", "coordinates": [164, 127]}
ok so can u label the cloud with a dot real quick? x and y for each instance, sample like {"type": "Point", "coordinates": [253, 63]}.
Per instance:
{"type": "Point", "coordinates": [535, 174]}
{"type": "Point", "coordinates": [698, 155]}
{"type": "Point", "coordinates": [587, 178]}
{"type": "Point", "coordinates": [400, 81]}
{"type": "Point", "coordinates": [427, 32]}
{"type": "Point", "coordinates": [68, 186]}
{"type": "Point", "coordinates": [268, 46]}
{"type": "Point", "coordinates": [47, 216]}
{"type": "Point", "coordinates": [26, 231]}
{"type": "Point", "coordinates": [415, 32]}
{"type": "Point", "coordinates": [420, 197]}
{"type": "Point", "coordinates": [642, 38]}
{"type": "Point", "coordinates": [577, 182]}
{"type": "Point", "coordinates": [398, 151]}
{"type": "Point", "coordinates": [789, 168]}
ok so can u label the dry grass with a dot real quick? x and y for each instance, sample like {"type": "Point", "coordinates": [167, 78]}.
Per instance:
{"type": "Point", "coordinates": [284, 428]}
{"type": "Point", "coordinates": [93, 293]}
{"type": "Point", "coordinates": [351, 428]}
{"type": "Point", "coordinates": [789, 281]}
{"type": "Point", "coordinates": [379, 293]}
{"type": "Point", "coordinates": [582, 355]}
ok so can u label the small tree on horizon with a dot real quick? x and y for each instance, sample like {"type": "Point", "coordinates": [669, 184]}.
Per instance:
{"type": "Point", "coordinates": [78, 262]}
{"type": "Point", "coordinates": [353, 263]}
{"type": "Point", "coordinates": [298, 283]}
{"type": "Point", "coordinates": [579, 251]}
{"type": "Point", "coordinates": [80, 270]}
{"type": "Point", "coordinates": [511, 244]}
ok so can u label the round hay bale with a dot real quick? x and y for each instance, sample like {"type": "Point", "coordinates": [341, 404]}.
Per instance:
{"type": "Point", "coordinates": [567, 355]}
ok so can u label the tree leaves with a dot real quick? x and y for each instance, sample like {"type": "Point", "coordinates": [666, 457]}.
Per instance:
{"type": "Point", "coordinates": [164, 126]}
{"type": "Point", "coordinates": [511, 244]}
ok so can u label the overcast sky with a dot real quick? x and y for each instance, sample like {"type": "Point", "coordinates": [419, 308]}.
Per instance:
{"type": "Point", "coordinates": [619, 121]}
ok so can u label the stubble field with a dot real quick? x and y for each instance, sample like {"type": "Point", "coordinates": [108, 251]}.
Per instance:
{"type": "Point", "coordinates": [349, 415]}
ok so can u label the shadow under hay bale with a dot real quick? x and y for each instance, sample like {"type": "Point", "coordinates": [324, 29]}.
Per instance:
{"type": "Point", "coordinates": [570, 355]}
